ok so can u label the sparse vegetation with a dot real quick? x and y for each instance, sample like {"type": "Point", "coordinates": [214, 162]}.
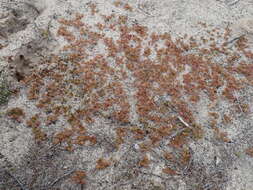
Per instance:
{"type": "Point", "coordinates": [146, 84]}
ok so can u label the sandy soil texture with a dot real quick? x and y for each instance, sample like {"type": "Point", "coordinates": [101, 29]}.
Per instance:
{"type": "Point", "coordinates": [136, 94]}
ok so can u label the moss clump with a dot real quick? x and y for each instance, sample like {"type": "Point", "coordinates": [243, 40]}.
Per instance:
{"type": "Point", "coordinates": [4, 91]}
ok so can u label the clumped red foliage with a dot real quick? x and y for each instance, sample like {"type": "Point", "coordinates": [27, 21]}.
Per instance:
{"type": "Point", "coordinates": [120, 134]}
{"type": "Point", "coordinates": [102, 164]}
{"type": "Point", "coordinates": [39, 135]}
{"type": "Point", "coordinates": [66, 34]}
{"type": "Point", "coordinates": [222, 136]}
{"type": "Point", "coordinates": [178, 141]}
{"type": "Point", "coordinates": [144, 162]}
{"type": "Point", "coordinates": [226, 119]}
{"type": "Point", "coordinates": [79, 177]}
{"type": "Point", "coordinates": [185, 156]}
{"type": "Point", "coordinates": [168, 156]}
{"type": "Point", "coordinates": [16, 114]}
{"type": "Point", "coordinates": [197, 132]}
{"type": "Point", "coordinates": [33, 121]}
{"type": "Point", "coordinates": [145, 146]}
{"type": "Point", "coordinates": [128, 7]}
{"type": "Point", "coordinates": [93, 8]}
{"type": "Point", "coordinates": [51, 119]}
{"type": "Point", "coordinates": [63, 136]}
{"type": "Point", "coordinates": [82, 139]}
{"type": "Point", "coordinates": [249, 151]}
{"type": "Point", "coordinates": [138, 133]}
{"type": "Point", "coordinates": [169, 171]}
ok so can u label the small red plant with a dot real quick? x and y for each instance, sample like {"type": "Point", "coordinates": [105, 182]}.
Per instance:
{"type": "Point", "coordinates": [16, 114]}
{"type": "Point", "coordinates": [102, 164]}
{"type": "Point", "coordinates": [79, 177]}
{"type": "Point", "coordinates": [144, 162]}
{"type": "Point", "coordinates": [249, 151]}
{"type": "Point", "coordinates": [169, 171]}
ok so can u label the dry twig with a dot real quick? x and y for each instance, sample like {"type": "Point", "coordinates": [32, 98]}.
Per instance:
{"type": "Point", "coordinates": [17, 180]}
{"type": "Point", "coordinates": [233, 3]}
{"type": "Point", "coordinates": [186, 124]}
{"type": "Point", "coordinates": [33, 7]}
{"type": "Point", "coordinates": [156, 175]}
{"type": "Point", "coordinates": [234, 39]}
{"type": "Point", "coordinates": [58, 179]}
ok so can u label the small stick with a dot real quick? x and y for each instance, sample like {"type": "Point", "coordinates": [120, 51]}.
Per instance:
{"type": "Point", "coordinates": [231, 41]}
{"type": "Point", "coordinates": [176, 133]}
{"type": "Point", "coordinates": [180, 118]}
{"type": "Point", "coordinates": [152, 174]}
{"type": "Point", "coordinates": [186, 124]}
{"type": "Point", "coordinates": [239, 104]}
{"type": "Point", "coordinates": [52, 147]}
{"type": "Point", "coordinates": [17, 180]}
{"type": "Point", "coordinates": [233, 3]}
{"type": "Point", "coordinates": [59, 178]}
{"type": "Point", "coordinates": [143, 11]}
{"type": "Point", "coordinates": [33, 7]}
{"type": "Point", "coordinates": [189, 163]}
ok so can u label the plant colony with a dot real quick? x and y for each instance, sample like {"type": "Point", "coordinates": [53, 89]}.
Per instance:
{"type": "Point", "coordinates": [145, 82]}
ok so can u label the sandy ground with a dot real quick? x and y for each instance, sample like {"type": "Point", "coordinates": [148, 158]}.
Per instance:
{"type": "Point", "coordinates": [29, 28]}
